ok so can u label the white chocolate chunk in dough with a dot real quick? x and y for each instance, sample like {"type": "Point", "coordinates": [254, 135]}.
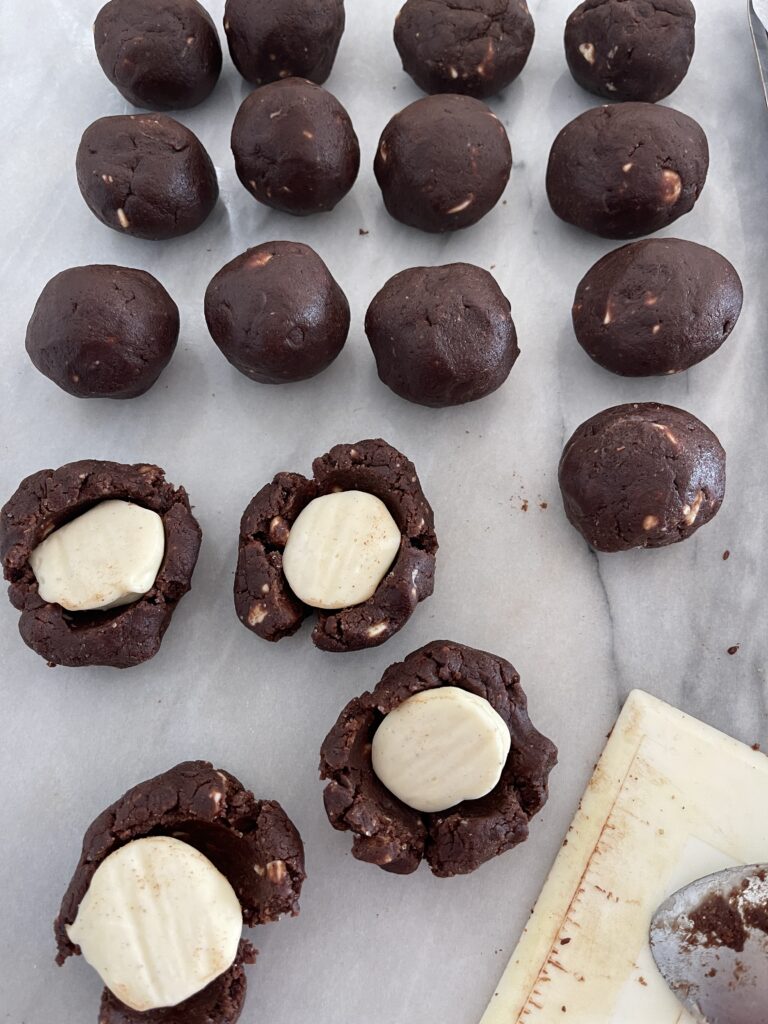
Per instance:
{"type": "Point", "coordinates": [440, 747]}
{"type": "Point", "coordinates": [159, 922]}
{"type": "Point", "coordinates": [107, 557]}
{"type": "Point", "coordinates": [340, 549]}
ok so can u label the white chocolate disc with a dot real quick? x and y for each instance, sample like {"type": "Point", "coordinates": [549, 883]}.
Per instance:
{"type": "Point", "coordinates": [159, 922]}
{"type": "Point", "coordinates": [440, 747]}
{"type": "Point", "coordinates": [107, 557]}
{"type": "Point", "coordinates": [340, 549]}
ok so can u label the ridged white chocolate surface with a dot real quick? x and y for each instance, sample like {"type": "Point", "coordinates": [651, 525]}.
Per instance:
{"type": "Point", "coordinates": [340, 549]}
{"type": "Point", "coordinates": [159, 922]}
{"type": "Point", "coordinates": [107, 557]}
{"type": "Point", "coordinates": [440, 747]}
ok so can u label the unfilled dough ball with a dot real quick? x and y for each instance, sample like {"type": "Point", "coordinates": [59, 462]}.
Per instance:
{"type": "Point", "coordinates": [627, 170]}
{"type": "Point", "coordinates": [477, 47]}
{"type": "Point", "coordinates": [656, 307]}
{"type": "Point", "coordinates": [103, 331]}
{"type": "Point", "coordinates": [442, 335]}
{"type": "Point", "coordinates": [162, 56]}
{"type": "Point", "coordinates": [631, 49]}
{"type": "Point", "coordinates": [443, 162]}
{"type": "Point", "coordinates": [277, 313]}
{"type": "Point", "coordinates": [146, 175]}
{"type": "Point", "coordinates": [274, 39]}
{"type": "Point", "coordinates": [295, 148]}
{"type": "Point", "coordinates": [641, 476]}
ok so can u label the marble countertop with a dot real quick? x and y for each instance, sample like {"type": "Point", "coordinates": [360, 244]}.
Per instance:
{"type": "Point", "coordinates": [513, 577]}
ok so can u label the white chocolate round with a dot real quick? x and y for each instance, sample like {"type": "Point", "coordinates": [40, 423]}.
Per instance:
{"type": "Point", "coordinates": [340, 549]}
{"type": "Point", "coordinates": [159, 922]}
{"type": "Point", "coordinates": [440, 747]}
{"type": "Point", "coordinates": [107, 557]}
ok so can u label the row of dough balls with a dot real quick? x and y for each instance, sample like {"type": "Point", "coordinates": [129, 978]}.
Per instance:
{"type": "Point", "coordinates": [441, 336]}
{"type": "Point", "coordinates": [168, 56]}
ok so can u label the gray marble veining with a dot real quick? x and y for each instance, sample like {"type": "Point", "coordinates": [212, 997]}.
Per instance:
{"type": "Point", "coordinates": [582, 629]}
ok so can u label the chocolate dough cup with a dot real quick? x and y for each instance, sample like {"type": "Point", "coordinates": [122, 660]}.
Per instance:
{"type": "Point", "coordinates": [119, 637]}
{"type": "Point", "coordinates": [252, 842]}
{"type": "Point", "coordinates": [397, 838]}
{"type": "Point", "coordinates": [263, 599]}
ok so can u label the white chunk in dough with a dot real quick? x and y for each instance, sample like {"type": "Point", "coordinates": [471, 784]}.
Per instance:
{"type": "Point", "coordinates": [340, 549]}
{"type": "Point", "coordinates": [440, 747]}
{"type": "Point", "coordinates": [159, 922]}
{"type": "Point", "coordinates": [108, 556]}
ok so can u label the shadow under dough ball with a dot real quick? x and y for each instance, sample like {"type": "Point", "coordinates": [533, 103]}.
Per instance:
{"type": "Point", "coordinates": [277, 313]}
{"type": "Point", "coordinates": [631, 49]}
{"type": "Point", "coordinates": [442, 163]}
{"type": "Point", "coordinates": [146, 175]}
{"type": "Point", "coordinates": [656, 307]}
{"type": "Point", "coordinates": [274, 39]}
{"type": "Point", "coordinates": [162, 56]}
{"type": "Point", "coordinates": [442, 335]}
{"type": "Point", "coordinates": [627, 170]}
{"type": "Point", "coordinates": [295, 148]}
{"type": "Point", "coordinates": [641, 476]}
{"type": "Point", "coordinates": [103, 331]}
{"type": "Point", "coordinates": [477, 47]}
{"type": "Point", "coordinates": [458, 840]}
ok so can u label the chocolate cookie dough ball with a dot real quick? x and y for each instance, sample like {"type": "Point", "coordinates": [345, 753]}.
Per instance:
{"type": "Point", "coordinates": [641, 476]}
{"type": "Point", "coordinates": [274, 39]}
{"type": "Point", "coordinates": [103, 331]}
{"type": "Point", "coordinates": [443, 163]}
{"type": "Point", "coordinates": [167, 876]}
{"type": "Point", "coordinates": [477, 47]}
{"type": "Point", "coordinates": [295, 148]}
{"type": "Point", "coordinates": [442, 335]}
{"type": "Point", "coordinates": [393, 785]}
{"type": "Point", "coordinates": [656, 307]}
{"type": "Point", "coordinates": [97, 556]}
{"type": "Point", "coordinates": [631, 49]}
{"type": "Point", "coordinates": [277, 313]}
{"type": "Point", "coordinates": [146, 175]}
{"type": "Point", "coordinates": [163, 56]}
{"type": "Point", "coordinates": [627, 170]}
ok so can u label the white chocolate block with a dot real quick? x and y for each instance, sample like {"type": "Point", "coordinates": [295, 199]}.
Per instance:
{"type": "Point", "coordinates": [107, 557]}
{"type": "Point", "coordinates": [671, 800]}
{"type": "Point", "coordinates": [440, 747]}
{"type": "Point", "coordinates": [159, 922]}
{"type": "Point", "coordinates": [340, 549]}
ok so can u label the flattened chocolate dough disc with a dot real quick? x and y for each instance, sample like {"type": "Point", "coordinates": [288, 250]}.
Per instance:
{"type": "Point", "coordinates": [274, 39]}
{"type": "Point", "coordinates": [162, 56]}
{"type": "Point", "coordinates": [442, 335]}
{"type": "Point", "coordinates": [120, 637]}
{"type": "Point", "coordinates": [295, 148]}
{"type": "Point", "coordinates": [631, 49]}
{"type": "Point", "coordinates": [442, 163]}
{"type": "Point", "coordinates": [476, 47]}
{"type": "Point", "coordinates": [265, 603]}
{"type": "Point", "coordinates": [656, 307]}
{"type": "Point", "coordinates": [627, 170]}
{"type": "Point", "coordinates": [456, 841]}
{"type": "Point", "coordinates": [641, 476]}
{"type": "Point", "coordinates": [146, 175]}
{"type": "Point", "coordinates": [277, 313]}
{"type": "Point", "coordinates": [103, 331]}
